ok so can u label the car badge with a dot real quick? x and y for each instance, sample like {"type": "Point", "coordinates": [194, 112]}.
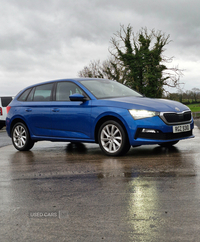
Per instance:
{"type": "Point", "coordinates": [177, 109]}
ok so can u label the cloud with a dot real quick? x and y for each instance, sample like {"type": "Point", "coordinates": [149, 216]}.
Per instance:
{"type": "Point", "coordinates": [45, 40]}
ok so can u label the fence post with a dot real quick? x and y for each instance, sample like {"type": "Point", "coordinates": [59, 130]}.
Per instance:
{"type": "Point", "coordinates": [196, 114]}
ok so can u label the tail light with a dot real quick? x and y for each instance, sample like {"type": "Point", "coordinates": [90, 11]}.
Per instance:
{"type": "Point", "coordinates": [1, 111]}
{"type": "Point", "coordinates": [8, 108]}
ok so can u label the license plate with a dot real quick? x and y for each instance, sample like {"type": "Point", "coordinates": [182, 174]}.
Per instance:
{"type": "Point", "coordinates": [181, 128]}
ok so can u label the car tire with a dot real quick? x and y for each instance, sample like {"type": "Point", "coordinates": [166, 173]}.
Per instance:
{"type": "Point", "coordinates": [169, 144]}
{"type": "Point", "coordinates": [113, 139]}
{"type": "Point", "coordinates": [1, 126]}
{"type": "Point", "coordinates": [21, 137]}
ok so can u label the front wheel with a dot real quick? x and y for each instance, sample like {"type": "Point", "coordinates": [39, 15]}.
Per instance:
{"type": "Point", "coordinates": [113, 140]}
{"type": "Point", "coordinates": [21, 137]}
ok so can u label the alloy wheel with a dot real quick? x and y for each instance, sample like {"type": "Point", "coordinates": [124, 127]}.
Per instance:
{"type": "Point", "coordinates": [111, 138]}
{"type": "Point", "coordinates": [19, 136]}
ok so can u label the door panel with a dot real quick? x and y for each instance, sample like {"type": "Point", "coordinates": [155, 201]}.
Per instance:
{"type": "Point", "coordinates": [38, 118]}
{"type": "Point", "coordinates": [71, 119]}
{"type": "Point", "coordinates": [37, 110]}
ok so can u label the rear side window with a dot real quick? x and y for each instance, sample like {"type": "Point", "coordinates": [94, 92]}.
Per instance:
{"type": "Point", "coordinates": [23, 96]}
{"type": "Point", "coordinates": [30, 95]}
{"type": "Point", "coordinates": [38, 93]}
{"type": "Point", "coordinates": [5, 101]}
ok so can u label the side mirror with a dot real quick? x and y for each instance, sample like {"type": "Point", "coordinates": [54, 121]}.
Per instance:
{"type": "Point", "coordinates": [77, 97]}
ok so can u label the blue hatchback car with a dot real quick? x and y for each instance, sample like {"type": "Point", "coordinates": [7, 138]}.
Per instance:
{"type": "Point", "coordinates": [97, 111]}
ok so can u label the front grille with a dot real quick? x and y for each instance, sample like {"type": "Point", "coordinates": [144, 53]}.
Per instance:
{"type": "Point", "coordinates": [176, 118]}
{"type": "Point", "coordinates": [161, 136]}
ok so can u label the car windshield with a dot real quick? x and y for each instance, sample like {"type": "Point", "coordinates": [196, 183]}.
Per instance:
{"type": "Point", "coordinates": [102, 89]}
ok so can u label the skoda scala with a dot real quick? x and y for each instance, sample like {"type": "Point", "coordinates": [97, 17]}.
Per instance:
{"type": "Point", "coordinates": [96, 111]}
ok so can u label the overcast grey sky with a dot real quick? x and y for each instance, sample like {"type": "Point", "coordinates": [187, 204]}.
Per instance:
{"type": "Point", "coordinates": [44, 40]}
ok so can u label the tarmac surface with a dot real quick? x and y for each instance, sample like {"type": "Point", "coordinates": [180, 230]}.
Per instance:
{"type": "Point", "coordinates": [4, 139]}
{"type": "Point", "coordinates": [67, 192]}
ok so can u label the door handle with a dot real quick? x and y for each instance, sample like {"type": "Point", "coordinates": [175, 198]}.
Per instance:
{"type": "Point", "coordinates": [28, 110]}
{"type": "Point", "coordinates": [55, 110]}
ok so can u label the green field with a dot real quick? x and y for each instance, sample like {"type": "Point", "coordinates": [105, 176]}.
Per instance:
{"type": "Point", "coordinates": [194, 107]}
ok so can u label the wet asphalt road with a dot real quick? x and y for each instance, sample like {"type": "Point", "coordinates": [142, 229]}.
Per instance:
{"type": "Point", "coordinates": [64, 192]}
{"type": "Point", "coordinates": [4, 139]}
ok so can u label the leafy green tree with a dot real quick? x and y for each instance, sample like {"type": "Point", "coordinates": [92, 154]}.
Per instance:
{"type": "Point", "coordinates": [142, 57]}
{"type": "Point", "coordinates": [138, 62]}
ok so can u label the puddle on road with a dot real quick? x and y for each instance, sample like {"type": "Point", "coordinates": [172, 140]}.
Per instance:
{"type": "Point", "coordinates": [150, 194]}
{"type": "Point", "coordinates": [48, 160]}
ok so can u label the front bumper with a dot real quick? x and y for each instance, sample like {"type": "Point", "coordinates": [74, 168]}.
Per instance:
{"type": "Point", "coordinates": [158, 132]}
{"type": "Point", "coordinates": [158, 135]}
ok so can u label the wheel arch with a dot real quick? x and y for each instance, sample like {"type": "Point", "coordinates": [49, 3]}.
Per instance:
{"type": "Point", "coordinates": [106, 118]}
{"type": "Point", "coordinates": [17, 120]}
{"type": "Point", "coordinates": [20, 135]}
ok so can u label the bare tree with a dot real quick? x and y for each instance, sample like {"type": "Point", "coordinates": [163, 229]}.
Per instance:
{"type": "Point", "coordinates": [195, 93]}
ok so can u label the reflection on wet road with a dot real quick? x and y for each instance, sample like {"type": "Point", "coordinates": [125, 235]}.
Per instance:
{"type": "Point", "coordinates": [75, 193]}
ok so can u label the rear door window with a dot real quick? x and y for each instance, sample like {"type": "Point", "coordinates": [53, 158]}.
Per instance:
{"type": "Point", "coordinates": [43, 92]}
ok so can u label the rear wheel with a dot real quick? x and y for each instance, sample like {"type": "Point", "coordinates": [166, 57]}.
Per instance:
{"type": "Point", "coordinates": [21, 137]}
{"type": "Point", "coordinates": [169, 144]}
{"type": "Point", "coordinates": [113, 140]}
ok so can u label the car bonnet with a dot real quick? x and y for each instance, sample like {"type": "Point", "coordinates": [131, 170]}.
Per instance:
{"type": "Point", "coordinates": [152, 104]}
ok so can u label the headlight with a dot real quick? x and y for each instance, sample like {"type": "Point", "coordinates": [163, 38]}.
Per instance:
{"type": "Point", "coordinates": [139, 114]}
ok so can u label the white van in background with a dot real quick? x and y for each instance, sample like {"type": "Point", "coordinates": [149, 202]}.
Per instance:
{"type": "Point", "coordinates": [4, 101]}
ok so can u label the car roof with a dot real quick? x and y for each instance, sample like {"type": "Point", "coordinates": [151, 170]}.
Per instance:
{"type": "Point", "coordinates": [67, 79]}
{"type": "Point", "coordinates": [78, 79]}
